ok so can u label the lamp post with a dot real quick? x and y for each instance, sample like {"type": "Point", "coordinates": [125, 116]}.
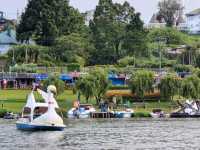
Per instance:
{"type": "Point", "coordinates": [160, 41]}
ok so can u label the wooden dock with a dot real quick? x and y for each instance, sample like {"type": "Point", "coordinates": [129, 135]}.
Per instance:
{"type": "Point", "coordinates": [102, 115]}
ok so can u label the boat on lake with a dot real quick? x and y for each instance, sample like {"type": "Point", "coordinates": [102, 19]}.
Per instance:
{"type": "Point", "coordinates": [82, 111]}
{"type": "Point", "coordinates": [127, 113]}
{"type": "Point", "coordinates": [10, 115]}
{"type": "Point", "coordinates": [157, 113]}
{"type": "Point", "coordinates": [190, 109]}
{"type": "Point", "coordinates": [41, 116]}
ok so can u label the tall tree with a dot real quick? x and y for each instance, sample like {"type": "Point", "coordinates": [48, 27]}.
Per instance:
{"type": "Point", "coordinates": [170, 11]}
{"type": "Point", "coordinates": [101, 83]}
{"type": "Point", "coordinates": [108, 30]}
{"type": "Point", "coordinates": [135, 41]}
{"type": "Point", "coordinates": [44, 20]}
{"type": "Point", "coordinates": [66, 48]}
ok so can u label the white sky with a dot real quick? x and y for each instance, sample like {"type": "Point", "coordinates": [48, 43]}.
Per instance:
{"type": "Point", "coordinates": [145, 7]}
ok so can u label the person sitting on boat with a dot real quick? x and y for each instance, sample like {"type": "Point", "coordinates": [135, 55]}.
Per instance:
{"type": "Point", "coordinates": [76, 106]}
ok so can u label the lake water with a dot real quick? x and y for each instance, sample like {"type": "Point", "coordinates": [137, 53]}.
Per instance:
{"type": "Point", "coordinates": [106, 134]}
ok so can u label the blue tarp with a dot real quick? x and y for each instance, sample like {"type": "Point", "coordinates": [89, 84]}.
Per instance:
{"type": "Point", "coordinates": [41, 77]}
{"type": "Point", "coordinates": [116, 80]}
{"type": "Point", "coordinates": [66, 77]}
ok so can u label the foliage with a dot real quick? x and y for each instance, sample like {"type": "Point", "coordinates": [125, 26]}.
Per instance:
{"type": "Point", "coordinates": [170, 10]}
{"type": "Point", "coordinates": [141, 115]}
{"type": "Point", "coordinates": [24, 68]}
{"type": "Point", "coordinates": [101, 83]}
{"type": "Point", "coordinates": [54, 80]}
{"type": "Point", "coordinates": [68, 48]}
{"type": "Point", "coordinates": [142, 81]}
{"type": "Point", "coordinates": [85, 85]}
{"type": "Point", "coordinates": [126, 61]}
{"type": "Point", "coordinates": [2, 112]}
{"type": "Point", "coordinates": [45, 20]}
{"type": "Point", "coordinates": [28, 54]}
{"type": "Point", "coordinates": [135, 33]}
{"type": "Point", "coordinates": [191, 87]}
{"type": "Point", "coordinates": [169, 86]}
{"type": "Point", "coordinates": [73, 67]}
{"type": "Point", "coordinates": [183, 68]}
{"type": "Point", "coordinates": [172, 35]}
{"type": "Point", "coordinates": [111, 26]}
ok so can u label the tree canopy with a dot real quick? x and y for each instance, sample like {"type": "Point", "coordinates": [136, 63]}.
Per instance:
{"type": "Point", "coordinates": [45, 20]}
{"type": "Point", "coordinates": [170, 11]}
{"type": "Point", "coordinates": [142, 81]}
{"type": "Point", "coordinates": [113, 24]}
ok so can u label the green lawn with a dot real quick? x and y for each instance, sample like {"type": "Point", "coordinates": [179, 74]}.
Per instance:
{"type": "Point", "coordinates": [14, 100]}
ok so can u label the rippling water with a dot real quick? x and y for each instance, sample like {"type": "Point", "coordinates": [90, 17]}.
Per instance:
{"type": "Point", "coordinates": [106, 134]}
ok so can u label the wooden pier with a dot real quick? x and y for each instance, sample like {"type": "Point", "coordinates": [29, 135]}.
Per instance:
{"type": "Point", "coordinates": [102, 115]}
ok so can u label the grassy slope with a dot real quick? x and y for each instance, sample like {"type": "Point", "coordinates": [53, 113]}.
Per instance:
{"type": "Point", "coordinates": [14, 100]}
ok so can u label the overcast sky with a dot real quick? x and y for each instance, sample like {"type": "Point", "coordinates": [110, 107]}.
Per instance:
{"type": "Point", "coordinates": [145, 7]}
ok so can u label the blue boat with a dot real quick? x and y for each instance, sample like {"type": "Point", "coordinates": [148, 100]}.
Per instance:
{"type": "Point", "coordinates": [32, 127]}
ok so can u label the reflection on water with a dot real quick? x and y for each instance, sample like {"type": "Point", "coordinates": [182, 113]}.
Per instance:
{"type": "Point", "coordinates": [106, 134]}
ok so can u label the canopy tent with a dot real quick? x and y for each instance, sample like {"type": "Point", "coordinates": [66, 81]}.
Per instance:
{"type": "Point", "coordinates": [40, 77]}
{"type": "Point", "coordinates": [117, 79]}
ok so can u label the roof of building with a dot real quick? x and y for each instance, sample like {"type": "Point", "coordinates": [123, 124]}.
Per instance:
{"type": "Point", "coordinates": [194, 12]}
{"type": "Point", "coordinates": [8, 37]}
{"type": "Point", "coordinates": [154, 19]}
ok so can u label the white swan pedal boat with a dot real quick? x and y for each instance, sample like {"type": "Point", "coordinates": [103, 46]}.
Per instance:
{"type": "Point", "coordinates": [40, 116]}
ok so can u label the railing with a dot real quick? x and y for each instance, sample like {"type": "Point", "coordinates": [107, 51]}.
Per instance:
{"type": "Point", "coordinates": [13, 75]}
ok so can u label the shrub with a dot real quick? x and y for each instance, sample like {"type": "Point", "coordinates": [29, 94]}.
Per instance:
{"type": "Point", "coordinates": [126, 61]}
{"type": "Point", "coordinates": [2, 112]}
{"type": "Point", "coordinates": [183, 68]}
{"type": "Point", "coordinates": [141, 115]}
{"type": "Point", "coordinates": [27, 68]}
{"type": "Point", "coordinates": [73, 67]}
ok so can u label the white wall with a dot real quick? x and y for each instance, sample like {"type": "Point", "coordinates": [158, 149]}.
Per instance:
{"type": "Point", "coordinates": [193, 24]}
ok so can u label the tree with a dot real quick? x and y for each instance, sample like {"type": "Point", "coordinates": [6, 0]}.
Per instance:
{"type": "Point", "coordinates": [54, 80]}
{"type": "Point", "coordinates": [85, 86]}
{"type": "Point", "coordinates": [27, 54]}
{"type": "Point", "coordinates": [135, 41]}
{"type": "Point", "coordinates": [169, 86]}
{"type": "Point", "coordinates": [68, 48]}
{"type": "Point", "coordinates": [141, 82]}
{"type": "Point", "coordinates": [45, 20]}
{"type": "Point", "coordinates": [170, 11]}
{"type": "Point", "coordinates": [191, 87]}
{"type": "Point", "coordinates": [101, 83]}
{"type": "Point", "coordinates": [108, 31]}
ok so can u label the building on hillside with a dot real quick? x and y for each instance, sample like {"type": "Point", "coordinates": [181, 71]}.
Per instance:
{"type": "Point", "coordinates": [7, 39]}
{"type": "Point", "coordinates": [158, 22]}
{"type": "Point", "coordinates": [7, 33]}
{"type": "Point", "coordinates": [88, 15]}
{"type": "Point", "coordinates": [2, 21]}
{"type": "Point", "coordinates": [155, 23]}
{"type": "Point", "coordinates": [192, 25]}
